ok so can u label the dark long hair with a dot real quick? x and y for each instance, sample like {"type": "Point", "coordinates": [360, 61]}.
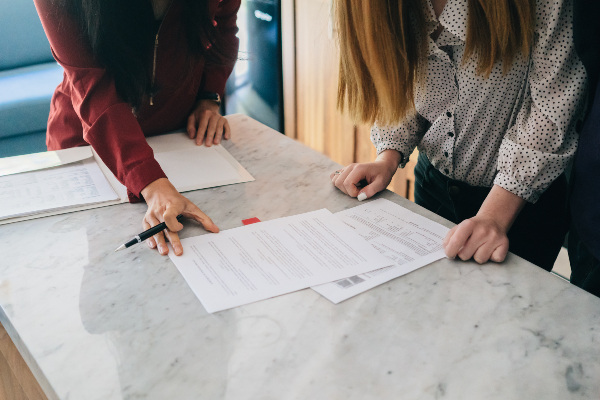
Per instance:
{"type": "Point", "coordinates": [121, 34]}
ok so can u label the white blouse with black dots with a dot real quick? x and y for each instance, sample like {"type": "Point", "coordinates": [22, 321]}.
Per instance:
{"type": "Point", "coordinates": [515, 130]}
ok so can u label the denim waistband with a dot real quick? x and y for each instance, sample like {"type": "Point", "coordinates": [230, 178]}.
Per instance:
{"type": "Point", "coordinates": [453, 187]}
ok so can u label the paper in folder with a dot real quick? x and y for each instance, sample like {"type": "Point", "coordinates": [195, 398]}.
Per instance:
{"type": "Point", "coordinates": [57, 182]}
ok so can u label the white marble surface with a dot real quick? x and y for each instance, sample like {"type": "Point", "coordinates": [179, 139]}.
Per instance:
{"type": "Point", "coordinates": [94, 324]}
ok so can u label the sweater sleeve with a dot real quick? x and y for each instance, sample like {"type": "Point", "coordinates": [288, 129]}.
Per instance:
{"type": "Point", "coordinates": [214, 77]}
{"type": "Point", "coordinates": [108, 123]}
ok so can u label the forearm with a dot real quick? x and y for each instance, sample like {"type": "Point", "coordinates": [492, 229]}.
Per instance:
{"type": "Point", "coordinates": [501, 206]}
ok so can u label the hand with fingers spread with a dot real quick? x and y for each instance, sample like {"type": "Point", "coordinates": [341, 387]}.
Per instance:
{"type": "Point", "coordinates": [377, 174]}
{"type": "Point", "coordinates": [483, 237]}
{"type": "Point", "coordinates": [165, 203]}
{"type": "Point", "coordinates": [206, 125]}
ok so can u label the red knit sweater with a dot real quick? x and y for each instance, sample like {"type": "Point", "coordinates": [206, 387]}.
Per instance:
{"type": "Point", "coordinates": [86, 109]}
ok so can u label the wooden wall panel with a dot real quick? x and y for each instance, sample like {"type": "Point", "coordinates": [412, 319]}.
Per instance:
{"type": "Point", "coordinates": [319, 124]}
{"type": "Point", "coordinates": [16, 380]}
{"type": "Point", "coordinates": [364, 151]}
{"type": "Point", "coordinates": [9, 386]}
{"type": "Point", "coordinates": [410, 175]}
{"type": "Point", "coordinates": [288, 55]}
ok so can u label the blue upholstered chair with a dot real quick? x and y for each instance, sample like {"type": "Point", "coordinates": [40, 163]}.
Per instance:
{"type": "Point", "coordinates": [28, 77]}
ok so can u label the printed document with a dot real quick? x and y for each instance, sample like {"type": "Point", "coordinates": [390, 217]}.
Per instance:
{"type": "Point", "coordinates": [259, 261]}
{"type": "Point", "coordinates": [56, 188]}
{"type": "Point", "coordinates": [410, 241]}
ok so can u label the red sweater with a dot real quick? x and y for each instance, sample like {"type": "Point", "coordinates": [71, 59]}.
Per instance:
{"type": "Point", "coordinates": [86, 109]}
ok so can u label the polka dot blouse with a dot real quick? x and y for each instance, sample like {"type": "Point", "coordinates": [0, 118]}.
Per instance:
{"type": "Point", "coordinates": [514, 130]}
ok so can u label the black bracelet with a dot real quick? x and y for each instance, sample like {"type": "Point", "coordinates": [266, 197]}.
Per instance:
{"type": "Point", "coordinates": [209, 96]}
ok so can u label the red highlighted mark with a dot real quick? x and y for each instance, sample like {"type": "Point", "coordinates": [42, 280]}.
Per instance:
{"type": "Point", "coordinates": [250, 221]}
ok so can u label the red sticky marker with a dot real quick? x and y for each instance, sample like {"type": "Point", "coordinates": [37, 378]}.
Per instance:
{"type": "Point", "coordinates": [250, 221]}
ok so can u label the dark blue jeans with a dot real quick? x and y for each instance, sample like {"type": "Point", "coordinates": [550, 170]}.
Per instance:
{"type": "Point", "coordinates": [585, 268]}
{"type": "Point", "coordinates": [538, 232]}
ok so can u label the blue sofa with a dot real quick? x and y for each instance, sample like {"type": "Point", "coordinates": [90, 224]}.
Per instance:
{"type": "Point", "coordinates": [28, 76]}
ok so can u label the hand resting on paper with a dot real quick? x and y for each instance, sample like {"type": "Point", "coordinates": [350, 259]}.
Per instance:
{"type": "Point", "coordinates": [165, 203]}
{"type": "Point", "coordinates": [483, 237]}
{"type": "Point", "coordinates": [377, 174]}
{"type": "Point", "coordinates": [206, 125]}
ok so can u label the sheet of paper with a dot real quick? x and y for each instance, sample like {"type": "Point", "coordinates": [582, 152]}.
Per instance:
{"type": "Point", "coordinates": [69, 185]}
{"type": "Point", "coordinates": [191, 167]}
{"type": "Point", "coordinates": [259, 261]}
{"type": "Point", "coordinates": [188, 167]}
{"type": "Point", "coordinates": [410, 241]}
{"type": "Point", "coordinates": [197, 167]}
{"type": "Point", "coordinates": [46, 159]}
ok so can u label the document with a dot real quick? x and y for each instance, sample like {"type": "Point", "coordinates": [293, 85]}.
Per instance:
{"type": "Point", "coordinates": [259, 261]}
{"type": "Point", "coordinates": [409, 241]}
{"type": "Point", "coordinates": [56, 188]}
{"type": "Point", "coordinates": [200, 167]}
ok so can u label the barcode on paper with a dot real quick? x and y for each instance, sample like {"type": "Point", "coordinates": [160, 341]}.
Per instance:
{"type": "Point", "coordinates": [346, 283]}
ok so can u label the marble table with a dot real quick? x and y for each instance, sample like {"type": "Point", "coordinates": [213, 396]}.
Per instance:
{"type": "Point", "coordinates": [94, 324]}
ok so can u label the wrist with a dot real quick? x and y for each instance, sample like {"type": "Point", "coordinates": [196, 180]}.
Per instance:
{"type": "Point", "coordinates": [500, 221]}
{"type": "Point", "coordinates": [391, 158]}
{"type": "Point", "coordinates": [207, 104]}
{"type": "Point", "coordinates": [157, 186]}
{"type": "Point", "coordinates": [502, 207]}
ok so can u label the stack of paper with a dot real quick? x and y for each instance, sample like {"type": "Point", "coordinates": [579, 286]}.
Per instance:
{"type": "Point", "coordinates": [410, 241]}
{"type": "Point", "coordinates": [356, 250]}
{"type": "Point", "coordinates": [53, 189]}
{"type": "Point", "coordinates": [268, 259]}
{"type": "Point", "coordinates": [76, 179]}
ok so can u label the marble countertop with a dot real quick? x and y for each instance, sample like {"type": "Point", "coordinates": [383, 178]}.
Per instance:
{"type": "Point", "coordinates": [93, 324]}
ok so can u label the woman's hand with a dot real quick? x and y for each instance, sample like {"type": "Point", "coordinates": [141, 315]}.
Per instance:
{"type": "Point", "coordinates": [377, 174]}
{"type": "Point", "coordinates": [206, 125]}
{"type": "Point", "coordinates": [165, 203]}
{"type": "Point", "coordinates": [483, 237]}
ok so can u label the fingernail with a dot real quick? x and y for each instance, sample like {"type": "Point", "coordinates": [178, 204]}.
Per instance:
{"type": "Point", "coordinates": [362, 196]}
{"type": "Point", "coordinates": [178, 250]}
{"type": "Point", "coordinates": [162, 249]}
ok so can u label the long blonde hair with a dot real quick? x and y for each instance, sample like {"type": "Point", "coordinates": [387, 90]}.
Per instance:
{"type": "Point", "coordinates": [383, 50]}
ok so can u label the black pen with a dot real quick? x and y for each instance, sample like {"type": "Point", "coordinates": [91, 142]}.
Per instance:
{"type": "Point", "coordinates": [146, 234]}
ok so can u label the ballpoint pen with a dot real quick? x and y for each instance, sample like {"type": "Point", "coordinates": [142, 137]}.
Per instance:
{"type": "Point", "coordinates": [146, 234]}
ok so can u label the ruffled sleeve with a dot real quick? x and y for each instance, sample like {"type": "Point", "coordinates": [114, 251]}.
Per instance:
{"type": "Point", "coordinates": [543, 139]}
{"type": "Point", "coordinates": [403, 138]}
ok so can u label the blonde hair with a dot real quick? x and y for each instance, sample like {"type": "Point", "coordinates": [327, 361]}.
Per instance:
{"type": "Point", "coordinates": [383, 50]}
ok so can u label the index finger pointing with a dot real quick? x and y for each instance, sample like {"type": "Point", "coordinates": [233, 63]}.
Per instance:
{"type": "Point", "coordinates": [199, 216]}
